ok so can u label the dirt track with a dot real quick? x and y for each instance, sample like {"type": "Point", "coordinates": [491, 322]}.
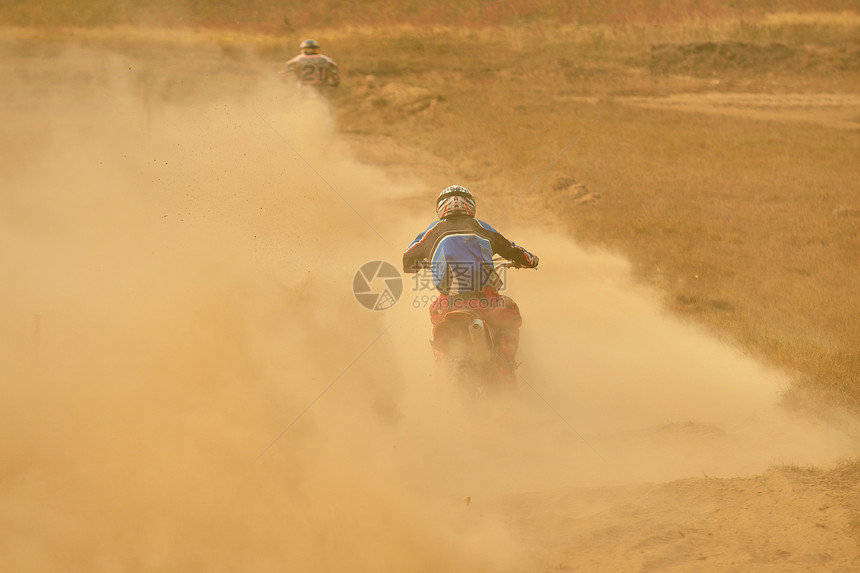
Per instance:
{"type": "Point", "coordinates": [780, 521]}
{"type": "Point", "coordinates": [178, 295]}
{"type": "Point", "coordinates": [831, 110]}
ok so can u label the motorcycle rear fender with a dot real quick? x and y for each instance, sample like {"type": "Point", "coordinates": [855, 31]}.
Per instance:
{"type": "Point", "coordinates": [480, 333]}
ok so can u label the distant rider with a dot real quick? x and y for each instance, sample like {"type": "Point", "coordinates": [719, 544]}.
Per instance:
{"type": "Point", "coordinates": [458, 249]}
{"type": "Point", "coordinates": [311, 68]}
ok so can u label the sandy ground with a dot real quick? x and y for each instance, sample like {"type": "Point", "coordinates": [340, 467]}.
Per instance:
{"type": "Point", "coordinates": [189, 383]}
{"type": "Point", "coordinates": [841, 111]}
{"type": "Point", "coordinates": [831, 110]}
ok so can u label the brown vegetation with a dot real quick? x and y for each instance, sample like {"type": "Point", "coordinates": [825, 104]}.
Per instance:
{"type": "Point", "coordinates": [268, 16]}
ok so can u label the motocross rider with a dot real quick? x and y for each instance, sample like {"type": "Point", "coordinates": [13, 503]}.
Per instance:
{"type": "Point", "coordinates": [311, 68]}
{"type": "Point", "coordinates": [458, 249]}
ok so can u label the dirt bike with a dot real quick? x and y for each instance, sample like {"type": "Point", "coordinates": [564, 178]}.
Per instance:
{"type": "Point", "coordinates": [466, 346]}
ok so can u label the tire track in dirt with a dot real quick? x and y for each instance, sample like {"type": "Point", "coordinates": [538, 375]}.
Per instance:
{"type": "Point", "coordinates": [840, 111]}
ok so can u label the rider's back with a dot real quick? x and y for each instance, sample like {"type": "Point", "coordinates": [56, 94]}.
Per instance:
{"type": "Point", "coordinates": [460, 250]}
{"type": "Point", "coordinates": [314, 70]}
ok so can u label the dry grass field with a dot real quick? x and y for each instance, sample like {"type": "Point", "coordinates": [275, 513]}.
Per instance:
{"type": "Point", "coordinates": [171, 294]}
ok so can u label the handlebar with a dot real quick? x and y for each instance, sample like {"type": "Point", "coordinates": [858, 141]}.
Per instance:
{"type": "Point", "coordinates": [498, 262]}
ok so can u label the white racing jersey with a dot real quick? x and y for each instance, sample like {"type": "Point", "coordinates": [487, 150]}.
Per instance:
{"type": "Point", "coordinates": [313, 70]}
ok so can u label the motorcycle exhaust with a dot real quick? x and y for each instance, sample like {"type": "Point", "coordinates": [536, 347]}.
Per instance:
{"type": "Point", "coordinates": [481, 340]}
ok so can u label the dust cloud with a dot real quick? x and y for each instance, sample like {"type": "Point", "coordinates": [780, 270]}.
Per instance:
{"type": "Point", "coordinates": [189, 383]}
{"type": "Point", "coordinates": [176, 294]}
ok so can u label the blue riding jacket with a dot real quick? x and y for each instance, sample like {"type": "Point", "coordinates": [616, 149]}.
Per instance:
{"type": "Point", "coordinates": [460, 251]}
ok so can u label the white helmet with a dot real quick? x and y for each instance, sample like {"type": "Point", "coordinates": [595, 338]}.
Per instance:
{"type": "Point", "coordinates": [455, 200]}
